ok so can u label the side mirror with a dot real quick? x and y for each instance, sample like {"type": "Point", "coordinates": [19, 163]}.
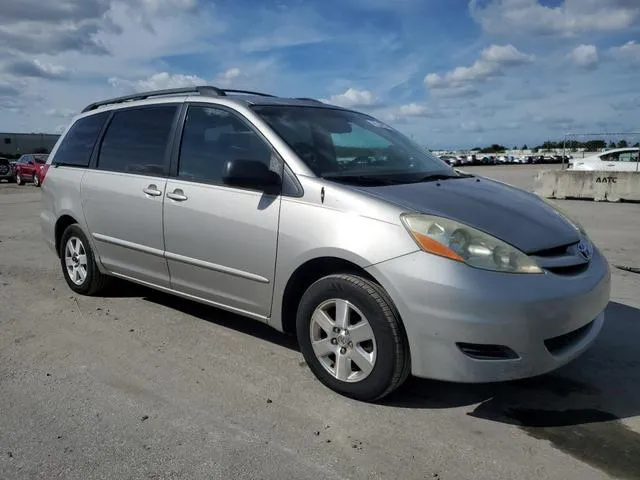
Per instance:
{"type": "Point", "coordinates": [251, 174]}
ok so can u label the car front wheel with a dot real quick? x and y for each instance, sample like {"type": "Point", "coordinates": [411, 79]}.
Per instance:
{"type": "Point", "coordinates": [19, 179]}
{"type": "Point", "coordinates": [36, 180]}
{"type": "Point", "coordinates": [352, 338]}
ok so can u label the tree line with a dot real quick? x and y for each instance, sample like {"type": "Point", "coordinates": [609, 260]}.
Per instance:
{"type": "Point", "coordinates": [572, 145]}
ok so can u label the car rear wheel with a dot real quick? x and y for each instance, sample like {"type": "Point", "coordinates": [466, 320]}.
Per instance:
{"type": "Point", "coordinates": [351, 337]}
{"type": "Point", "coordinates": [19, 179]}
{"type": "Point", "coordinates": [78, 263]}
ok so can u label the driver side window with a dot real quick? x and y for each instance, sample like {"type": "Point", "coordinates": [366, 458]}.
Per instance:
{"type": "Point", "coordinates": [211, 137]}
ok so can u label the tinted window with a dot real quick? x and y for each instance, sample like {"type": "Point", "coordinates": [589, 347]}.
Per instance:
{"type": "Point", "coordinates": [213, 136]}
{"type": "Point", "coordinates": [136, 140]}
{"type": "Point", "coordinates": [77, 145]}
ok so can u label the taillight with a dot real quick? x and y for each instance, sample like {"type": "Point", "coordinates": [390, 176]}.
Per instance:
{"type": "Point", "coordinates": [43, 172]}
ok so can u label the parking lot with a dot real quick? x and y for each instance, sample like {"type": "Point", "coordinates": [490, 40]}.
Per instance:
{"type": "Point", "coordinates": [139, 384]}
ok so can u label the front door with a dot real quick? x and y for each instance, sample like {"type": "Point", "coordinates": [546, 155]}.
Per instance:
{"type": "Point", "coordinates": [220, 241]}
{"type": "Point", "coordinates": [123, 195]}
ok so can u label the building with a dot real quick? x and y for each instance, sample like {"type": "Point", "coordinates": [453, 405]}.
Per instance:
{"type": "Point", "coordinates": [12, 144]}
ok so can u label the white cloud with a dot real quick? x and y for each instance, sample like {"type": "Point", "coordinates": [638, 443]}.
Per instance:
{"type": "Point", "coordinates": [158, 81]}
{"type": "Point", "coordinates": [629, 52]}
{"type": "Point", "coordinates": [490, 64]}
{"type": "Point", "coordinates": [505, 55]}
{"type": "Point", "coordinates": [228, 78]}
{"type": "Point", "coordinates": [287, 36]}
{"type": "Point", "coordinates": [168, 6]}
{"type": "Point", "coordinates": [35, 69]}
{"type": "Point", "coordinates": [513, 17]}
{"type": "Point", "coordinates": [585, 56]}
{"type": "Point", "coordinates": [353, 98]}
{"type": "Point", "coordinates": [410, 110]}
{"type": "Point", "coordinates": [60, 112]}
{"type": "Point", "coordinates": [415, 110]}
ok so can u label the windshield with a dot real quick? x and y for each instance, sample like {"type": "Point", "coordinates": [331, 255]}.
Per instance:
{"type": "Point", "coordinates": [41, 158]}
{"type": "Point", "coordinates": [349, 146]}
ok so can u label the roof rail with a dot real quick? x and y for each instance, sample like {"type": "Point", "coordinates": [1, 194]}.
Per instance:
{"type": "Point", "coordinates": [204, 90]}
{"type": "Point", "coordinates": [247, 92]}
{"type": "Point", "coordinates": [309, 99]}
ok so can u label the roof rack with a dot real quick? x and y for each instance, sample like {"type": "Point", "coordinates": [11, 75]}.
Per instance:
{"type": "Point", "coordinates": [247, 92]}
{"type": "Point", "coordinates": [204, 90]}
{"type": "Point", "coordinates": [309, 99]}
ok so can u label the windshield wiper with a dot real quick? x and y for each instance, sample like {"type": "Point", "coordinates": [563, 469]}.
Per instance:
{"type": "Point", "coordinates": [363, 179]}
{"type": "Point", "coordinates": [441, 176]}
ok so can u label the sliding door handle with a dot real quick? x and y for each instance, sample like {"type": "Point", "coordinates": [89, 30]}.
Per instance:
{"type": "Point", "coordinates": [152, 190]}
{"type": "Point", "coordinates": [177, 195]}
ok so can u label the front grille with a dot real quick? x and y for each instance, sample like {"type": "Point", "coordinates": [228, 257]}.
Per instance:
{"type": "Point", "coordinates": [569, 269]}
{"type": "Point", "coordinates": [481, 351]}
{"type": "Point", "coordinates": [557, 344]}
{"type": "Point", "coordinates": [4, 169]}
{"type": "Point", "coordinates": [561, 260]}
{"type": "Point", "coordinates": [554, 251]}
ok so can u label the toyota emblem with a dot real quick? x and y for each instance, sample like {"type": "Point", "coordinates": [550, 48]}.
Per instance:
{"type": "Point", "coordinates": [585, 250]}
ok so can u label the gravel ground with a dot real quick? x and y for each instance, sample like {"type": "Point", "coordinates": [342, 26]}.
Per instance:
{"type": "Point", "coordinates": [138, 384]}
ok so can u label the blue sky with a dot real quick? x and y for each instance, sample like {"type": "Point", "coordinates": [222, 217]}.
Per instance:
{"type": "Point", "coordinates": [451, 73]}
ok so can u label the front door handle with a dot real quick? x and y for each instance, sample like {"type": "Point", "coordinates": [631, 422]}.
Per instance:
{"type": "Point", "coordinates": [152, 190]}
{"type": "Point", "coordinates": [177, 195]}
{"type": "Point", "coordinates": [611, 164]}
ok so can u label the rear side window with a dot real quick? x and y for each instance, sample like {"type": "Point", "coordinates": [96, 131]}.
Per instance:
{"type": "Point", "coordinates": [136, 140]}
{"type": "Point", "coordinates": [77, 145]}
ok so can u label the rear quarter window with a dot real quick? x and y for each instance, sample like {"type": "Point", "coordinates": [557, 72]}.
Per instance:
{"type": "Point", "coordinates": [77, 145]}
{"type": "Point", "coordinates": [137, 140]}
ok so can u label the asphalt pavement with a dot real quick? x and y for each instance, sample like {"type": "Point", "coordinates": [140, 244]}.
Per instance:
{"type": "Point", "coordinates": [141, 385]}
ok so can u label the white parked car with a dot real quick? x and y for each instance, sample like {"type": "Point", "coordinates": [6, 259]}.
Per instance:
{"type": "Point", "coordinates": [617, 160]}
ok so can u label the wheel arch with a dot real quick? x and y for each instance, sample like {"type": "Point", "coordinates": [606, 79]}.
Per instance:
{"type": "Point", "coordinates": [63, 222]}
{"type": "Point", "coordinates": [304, 276]}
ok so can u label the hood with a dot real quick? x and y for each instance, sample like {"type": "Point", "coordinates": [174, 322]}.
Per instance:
{"type": "Point", "coordinates": [515, 216]}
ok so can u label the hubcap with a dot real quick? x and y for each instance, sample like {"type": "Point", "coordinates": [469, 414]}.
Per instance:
{"type": "Point", "coordinates": [343, 340]}
{"type": "Point", "coordinates": [75, 257]}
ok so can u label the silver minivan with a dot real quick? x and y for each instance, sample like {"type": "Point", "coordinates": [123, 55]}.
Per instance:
{"type": "Point", "coordinates": [328, 224]}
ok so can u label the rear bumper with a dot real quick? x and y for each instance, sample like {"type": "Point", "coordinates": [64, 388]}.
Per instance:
{"type": "Point", "coordinates": [445, 303]}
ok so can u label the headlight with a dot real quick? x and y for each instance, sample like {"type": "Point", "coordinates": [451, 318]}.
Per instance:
{"type": "Point", "coordinates": [450, 239]}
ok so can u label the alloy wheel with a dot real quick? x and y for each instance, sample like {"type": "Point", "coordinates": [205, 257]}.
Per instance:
{"type": "Point", "coordinates": [75, 257]}
{"type": "Point", "coordinates": [343, 340]}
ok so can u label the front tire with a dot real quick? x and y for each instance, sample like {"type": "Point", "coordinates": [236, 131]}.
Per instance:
{"type": "Point", "coordinates": [352, 338]}
{"type": "Point", "coordinates": [78, 263]}
{"type": "Point", "coordinates": [36, 180]}
{"type": "Point", "coordinates": [19, 179]}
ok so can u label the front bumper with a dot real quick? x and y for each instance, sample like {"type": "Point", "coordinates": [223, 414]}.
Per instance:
{"type": "Point", "coordinates": [444, 303]}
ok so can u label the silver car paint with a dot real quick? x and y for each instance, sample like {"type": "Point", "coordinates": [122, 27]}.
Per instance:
{"type": "Point", "coordinates": [440, 301]}
{"type": "Point", "coordinates": [130, 244]}
{"type": "Point", "coordinates": [221, 245]}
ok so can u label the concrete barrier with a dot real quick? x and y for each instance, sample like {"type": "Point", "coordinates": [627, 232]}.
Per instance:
{"type": "Point", "coordinates": [600, 186]}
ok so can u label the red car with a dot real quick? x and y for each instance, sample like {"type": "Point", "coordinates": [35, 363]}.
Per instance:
{"type": "Point", "coordinates": [29, 168]}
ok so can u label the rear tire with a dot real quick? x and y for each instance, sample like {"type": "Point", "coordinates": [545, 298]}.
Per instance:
{"type": "Point", "coordinates": [19, 179]}
{"type": "Point", "coordinates": [78, 263]}
{"type": "Point", "coordinates": [363, 353]}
